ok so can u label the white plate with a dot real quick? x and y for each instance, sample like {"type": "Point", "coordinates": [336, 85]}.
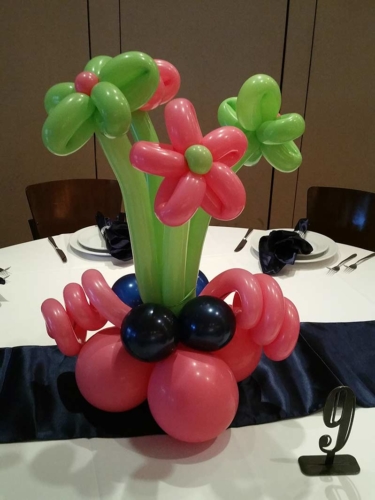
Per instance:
{"type": "Point", "coordinates": [324, 247]}
{"type": "Point", "coordinates": [90, 238]}
{"type": "Point", "coordinates": [74, 243]}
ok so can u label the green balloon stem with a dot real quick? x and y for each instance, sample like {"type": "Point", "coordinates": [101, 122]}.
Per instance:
{"type": "Point", "coordinates": [175, 244]}
{"type": "Point", "coordinates": [139, 216]}
{"type": "Point", "coordinates": [142, 129]}
{"type": "Point", "coordinates": [198, 229]}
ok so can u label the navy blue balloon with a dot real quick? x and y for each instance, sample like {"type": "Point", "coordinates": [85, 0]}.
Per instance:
{"type": "Point", "coordinates": [206, 323]}
{"type": "Point", "coordinates": [126, 289]}
{"type": "Point", "coordinates": [149, 332]}
{"type": "Point", "coordinates": [202, 281]}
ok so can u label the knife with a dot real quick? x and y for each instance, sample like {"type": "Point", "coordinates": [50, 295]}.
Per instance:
{"type": "Point", "coordinates": [60, 252]}
{"type": "Point", "coordinates": [243, 242]}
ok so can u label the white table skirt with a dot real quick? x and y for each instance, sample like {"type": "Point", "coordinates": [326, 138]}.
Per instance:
{"type": "Point", "coordinates": [255, 462]}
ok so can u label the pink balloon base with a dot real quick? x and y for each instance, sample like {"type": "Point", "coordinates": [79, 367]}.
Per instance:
{"type": "Point", "coordinates": [192, 395]}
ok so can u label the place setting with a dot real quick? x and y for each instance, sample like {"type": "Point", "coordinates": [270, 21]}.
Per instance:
{"type": "Point", "coordinates": [105, 239]}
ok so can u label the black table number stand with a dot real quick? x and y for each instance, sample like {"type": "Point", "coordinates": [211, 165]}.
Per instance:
{"type": "Point", "coordinates": [332, 464]}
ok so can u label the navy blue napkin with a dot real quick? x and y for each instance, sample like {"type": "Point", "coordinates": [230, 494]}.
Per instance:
{"type": "Point", "coordinates": [116, 236]}
{"type": "Point", "coordinates": [281, 247]}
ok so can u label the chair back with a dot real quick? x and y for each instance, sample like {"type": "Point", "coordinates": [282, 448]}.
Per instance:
{"type": "Point", "coordinates": [345, 215]}
{"type": "Point", "coordinates": [68, 205]}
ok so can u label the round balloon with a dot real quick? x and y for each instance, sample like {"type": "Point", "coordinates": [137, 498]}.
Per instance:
{"type": "Point", "coordinates": [193, 396]}
{"type": "Point", "coordinates": [206, 323]}
{"type": "Point", "coordinates": [108, 377]}
{"type": "Point", "coordinates": [126, 289]}
{"type": "Point", "coordinates": [242, 354]}
{"type": "Point", "coordinates": [150, 332]}
{"type": "Point", "coordinates": [202, 281]}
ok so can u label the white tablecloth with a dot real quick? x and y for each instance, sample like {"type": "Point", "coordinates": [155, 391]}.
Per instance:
{"type": "Point", "coordinates": [256, 462]}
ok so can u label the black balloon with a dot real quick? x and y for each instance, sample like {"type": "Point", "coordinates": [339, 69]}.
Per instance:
{"type": "Point", "coordinates": [206, 323]}
{"type": "Point", "coordinates": [150, 332]}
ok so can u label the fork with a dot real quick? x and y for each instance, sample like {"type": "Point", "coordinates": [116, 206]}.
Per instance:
{"type": "Point", "coordinates": [353, 267]}
{"type": "Point", "coordinates": [335, 269]}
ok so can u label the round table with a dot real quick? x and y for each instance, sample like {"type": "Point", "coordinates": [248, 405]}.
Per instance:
{"type": "Point", "coordinates": [255, 462]}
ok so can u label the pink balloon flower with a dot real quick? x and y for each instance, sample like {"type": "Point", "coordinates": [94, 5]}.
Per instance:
{"type": "Point", "coordinates": [169, 85]}
{"type": "Point", "coordinates": [196, 169]}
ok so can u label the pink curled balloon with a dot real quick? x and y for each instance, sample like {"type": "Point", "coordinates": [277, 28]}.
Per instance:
{"type": "Point", "coordinates": [69, 340]}
{"type": "Point", "coordinates": [108, 377]}
{"type": "Point", "coordinates": [169, 85]}
{"type": "Point", "coordinates": [193, 396]}
{"type": "Point", "coordinates": [287, 337]}
{"type": "Point", "coordinates": [249, 298]}
{"type": "Point", "coordinates": [103, 298]}
{"type": "Point", "coordinates": [196, 169]}
{"type": "Point", "coordinates": [266, 330]}
{"type": "Point", "coordinates": [79, 310]}
{"type": "Point", "coordinates": [242, 355]}
{"type": "Point", "coordinates": [69, 327]}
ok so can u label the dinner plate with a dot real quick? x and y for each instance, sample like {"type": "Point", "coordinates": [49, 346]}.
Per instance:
{"type": "Point", "coordinates": [74, 243]}
{"type": "Point", "coordinates": [323, 247]}
{"type": "Point", "coordinates": [91, 238]}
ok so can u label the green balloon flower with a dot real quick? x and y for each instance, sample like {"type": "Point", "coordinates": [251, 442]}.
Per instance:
{"type": "Point", "coordinates": [101, 99]}
{"type": "Point", "coordinates": [256, 112]}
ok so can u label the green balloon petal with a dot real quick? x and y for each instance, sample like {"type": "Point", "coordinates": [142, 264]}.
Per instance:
{"type": "Point", "coordinates": [284, 157]}
{"type": "Point", "coordinates": [56, 94]}
{"type": "Point", "coordinates": [227, 113]}
{"type": "Point", "coordinates": [284, 129]}
{"type": "Point", "coordinates": [259, 100]}
{"type": "Point", "coordinates": [253, 153]}
{"type": "Point", "coordinates": [113, 115]}
{"type": "Point", "coordinates": [96, 64]}
{"type": "Point", "coordinates": [69, 125]}
{"type": "Point", "coordinates": [135, 74]}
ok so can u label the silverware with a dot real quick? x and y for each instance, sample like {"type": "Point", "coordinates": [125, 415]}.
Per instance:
{"type": "Point", "coordinates": [243, 242]}
{"type": "Point", "coordinates": [353, 267]}
{"type": "Point", "coordinates": [58, 250]}
{"type": "Point", "coordinates": [335, 269]}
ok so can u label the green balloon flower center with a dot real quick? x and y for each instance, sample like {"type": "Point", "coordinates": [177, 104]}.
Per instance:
{"type": "Point", "coordinates": [199, 159]}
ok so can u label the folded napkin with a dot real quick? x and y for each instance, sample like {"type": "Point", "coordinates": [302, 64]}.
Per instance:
{"type": "Point", "coordinates": [116, 235]}
{"type": "Point", "coordinates": [280, 248]}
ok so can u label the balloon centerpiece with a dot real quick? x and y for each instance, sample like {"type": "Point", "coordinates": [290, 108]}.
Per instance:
{"type": "Point", "coordinates": [174, 339]}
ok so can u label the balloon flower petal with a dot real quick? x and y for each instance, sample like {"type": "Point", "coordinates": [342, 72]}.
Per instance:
{"type": "Point", "coordinates": [169, 84]}
{"type": "Point", "coordinates": [256, 113]}
{"type": "Point", "coordinates": [158, 159]}
{"type": "Point", "coordinates": [225, 197]}
{"type": "Point", "coordinates": [227, 145]}
{"type": "Point", "coordinates": [177, 200]}
{"type": "Point", "coordinates": [182, 124]}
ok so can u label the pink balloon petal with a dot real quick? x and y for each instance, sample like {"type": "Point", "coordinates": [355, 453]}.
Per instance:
{"type": "Point", "coordinates": [228, 188]}
{"type": "Point", "coordinates": [182, 124]}
{"type": "Point", "coordinates": [177, 200]}
{"type": "Point", "coordinates": [156, 98]}
{"type": "Point", "coordinates": [171, 79]}
{"type": "Point", "coordinates": [227, 145]}
{"type": "Point", "coordinates": [169, 84]}
{"type": "Point", "coordinates": [158, 159]}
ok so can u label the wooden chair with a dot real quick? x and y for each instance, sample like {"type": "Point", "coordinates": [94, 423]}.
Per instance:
{"type": "Point", "coordinates": [66, 206]}
{"type": "Point", "coordinates": [345, 215]}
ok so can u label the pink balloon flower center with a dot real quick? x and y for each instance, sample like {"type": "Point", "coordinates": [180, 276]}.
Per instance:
{"type": "Point", "coordinates": [85, 82]}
